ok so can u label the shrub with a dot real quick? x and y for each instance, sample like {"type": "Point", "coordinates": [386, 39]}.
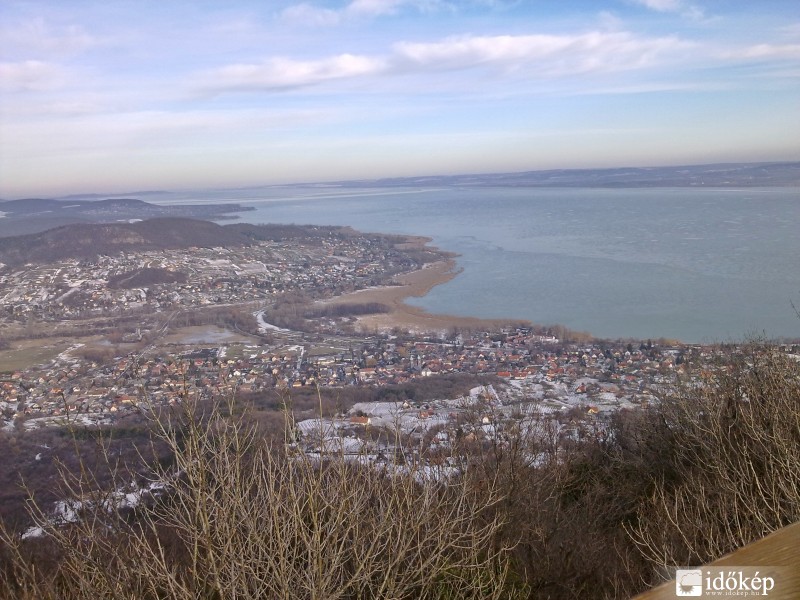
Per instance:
{"type": "Point", "coordinates": [238, 518]}
{"type": "Point", "coordinates": [714, 466]}
{"type": "Point", "coordinates": [543, 508]}
{"type": "Point", "coordinates": [735, 444]}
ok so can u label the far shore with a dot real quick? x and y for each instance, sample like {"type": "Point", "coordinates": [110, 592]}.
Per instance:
{"type": "Point", "coordinates": [403, 316]}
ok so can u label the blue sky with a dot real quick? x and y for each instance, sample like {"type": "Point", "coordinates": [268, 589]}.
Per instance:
{"type": "Point", "coordinates": [111, 95]}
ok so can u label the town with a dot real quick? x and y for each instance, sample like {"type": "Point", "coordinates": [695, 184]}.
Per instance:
{"type": "Point", "coordinates": [131, 283]}
{"type": "Point", "coordinates": [139, 350]}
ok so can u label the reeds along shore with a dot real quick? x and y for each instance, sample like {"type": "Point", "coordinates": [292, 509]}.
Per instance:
{"type": "Point", "coordinates": [414, 285]}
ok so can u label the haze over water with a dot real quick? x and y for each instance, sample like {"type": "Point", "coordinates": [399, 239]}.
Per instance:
{"type": "Point", "coordinates": [692, 264]}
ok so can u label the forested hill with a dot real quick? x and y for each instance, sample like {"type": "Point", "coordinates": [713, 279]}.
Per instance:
{"type": "Point", "coordinates": [33, 215]}
{"type": "Point", "coordinates": [86, 240]}
{"type": "Point", "coordinates": [89, 240]}
{"type": "Point", "coordinates": [118, 208]}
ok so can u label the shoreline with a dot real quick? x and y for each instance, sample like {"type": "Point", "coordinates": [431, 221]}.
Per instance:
{"type": "Point", "coordinates": [414, 284]}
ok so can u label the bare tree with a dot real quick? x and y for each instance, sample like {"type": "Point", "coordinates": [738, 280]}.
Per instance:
{"type": "Point", "coordinates": [736, 475]}
{"type": "Point", "coordinates": [238, 518]}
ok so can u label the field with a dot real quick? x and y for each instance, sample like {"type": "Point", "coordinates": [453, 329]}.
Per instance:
{"type": "Point", "coordinates": [206, 334]}
{"type": "Point", "coordinates": [28, 353]}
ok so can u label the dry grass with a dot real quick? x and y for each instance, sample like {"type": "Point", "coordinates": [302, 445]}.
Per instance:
{"type": "Point", "coordinates": [29, 353]}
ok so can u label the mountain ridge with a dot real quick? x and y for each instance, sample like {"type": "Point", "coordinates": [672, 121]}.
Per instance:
{"type": "Point", "coordinates": [764, 174]}
{"type": "Point", "coordinates": [89, 240]}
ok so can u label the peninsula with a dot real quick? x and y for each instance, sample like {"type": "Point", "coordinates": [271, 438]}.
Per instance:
{"type": "Point", "coordinates": [33, 215]}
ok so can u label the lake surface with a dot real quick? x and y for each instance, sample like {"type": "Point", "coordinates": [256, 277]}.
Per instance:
{"type": "Point", "coordinates": [692, 264]}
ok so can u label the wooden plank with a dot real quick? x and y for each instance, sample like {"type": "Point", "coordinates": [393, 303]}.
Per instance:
{"type": "Point", "coordinates": [780, 549]}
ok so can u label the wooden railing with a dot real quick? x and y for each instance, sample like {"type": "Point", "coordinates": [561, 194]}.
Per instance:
{"type": "Point", "coordinates": [780, 549]}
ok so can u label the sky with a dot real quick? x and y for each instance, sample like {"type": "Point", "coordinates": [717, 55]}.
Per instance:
{"type": "Point", "coordinates": [120, 95]}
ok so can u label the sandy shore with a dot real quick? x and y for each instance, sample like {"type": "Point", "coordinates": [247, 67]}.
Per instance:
{"type": "Point", "coordinates": [415, 284]}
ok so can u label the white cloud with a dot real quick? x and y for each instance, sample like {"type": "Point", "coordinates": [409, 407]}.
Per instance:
{"type": "Point", "coordinates": [309, 14]}
{"type": "Point", "coordinates": [284, 73]}
{"type": "Point", "coordinates": [661, 5]}
{"type": "Point", "coordinates": [690, 11]}
{"type": "Point", "coordinates": [378, 8]}
{"type": "Point", "coordinates": [37, 38]}
{"type": "Point", "coordinates": [306, 14]}
{"type": "Point", "coordinates": [763, 51]}
{"type": "Point", "coordinates": [549, 56]}
{"type": "Point", "coordinates": [29, 75]}
{"type": "Point", "coordinates": [375, 7]}
{"type": "Point", "coordinates": [553, 55]}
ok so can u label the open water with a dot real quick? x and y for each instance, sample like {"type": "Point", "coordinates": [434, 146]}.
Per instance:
{"type": "Point", "coordinates": [699, 265]}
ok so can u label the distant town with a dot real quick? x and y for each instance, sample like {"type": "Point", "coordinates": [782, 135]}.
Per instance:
{"type": "Point", "coordinates": [94, 339]}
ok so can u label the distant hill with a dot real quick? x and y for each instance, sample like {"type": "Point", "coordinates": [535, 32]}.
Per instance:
{"type": "Point", "coordinates": [31, 215]}
{"type": "Point", "coordinates": [89, 240]}
{"type": "Point", "coordinates": [122, 208]}
{"type": "Point", "coordinates": [780, 174]}
{"type": "Point", "coordinates": [275, 232]}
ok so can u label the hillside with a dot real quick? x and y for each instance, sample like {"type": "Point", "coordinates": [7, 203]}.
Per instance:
{"type": "Point", "coordinates": [118, 207]}
{"type": "Point", "coordinates": [90, 240]}
{"type": "Point", "coordinates": [87, 240]}
{"type": "Point", "coordinates": [33, 215]}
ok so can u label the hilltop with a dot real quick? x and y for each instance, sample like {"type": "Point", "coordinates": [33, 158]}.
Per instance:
{"type": "Point", "coordinates": [89, 240]}
{"type": "Point", "coordinates": [32, 215]}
